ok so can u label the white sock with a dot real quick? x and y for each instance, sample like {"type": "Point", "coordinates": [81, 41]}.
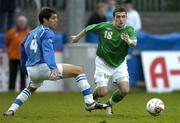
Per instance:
{"type": "Point", "coordinates": [20, 99]}
{"type": "Point", "coordinates": [85, 88]}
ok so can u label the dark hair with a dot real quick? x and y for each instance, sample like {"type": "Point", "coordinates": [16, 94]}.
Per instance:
{"type": "Point", "coordinates": [119, 9]}
{"type": "Point", "coordinates": [45, 13]}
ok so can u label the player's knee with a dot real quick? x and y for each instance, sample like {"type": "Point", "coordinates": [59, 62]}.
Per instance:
{"type": "Point", "coordinates": [78, 70]}
{"type": "Point", "coordinates": [104, 92]}
{"type": "Point", "coordinates": [124, 91]}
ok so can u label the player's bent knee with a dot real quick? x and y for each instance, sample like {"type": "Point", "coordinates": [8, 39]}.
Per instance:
{"type": "Point", "coordinates": [124, 91]}
{"type": "Point", "coordinates": [78, 70]}
{"type": "Point", "coordinates": [104, 92]}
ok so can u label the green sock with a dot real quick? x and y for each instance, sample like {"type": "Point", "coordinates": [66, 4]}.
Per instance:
{"type": "Point", "coordinates": [115, 98]}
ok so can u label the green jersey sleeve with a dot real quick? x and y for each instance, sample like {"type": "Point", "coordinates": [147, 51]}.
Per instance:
{"type": "Point", "coordinates": [94, 27]}
{"type": "Point", "coordinates": [132, 33]}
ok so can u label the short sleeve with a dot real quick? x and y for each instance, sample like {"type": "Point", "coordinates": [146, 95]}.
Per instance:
{"type": "Point", "coordinates": [94, 28]}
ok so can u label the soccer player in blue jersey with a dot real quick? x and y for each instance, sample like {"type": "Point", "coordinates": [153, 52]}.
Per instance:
{"type": "Point", "coordinates": [38, 61]}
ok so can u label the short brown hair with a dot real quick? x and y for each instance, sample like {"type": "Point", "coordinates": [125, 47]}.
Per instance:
{"type": "Point", "coordinates": [119, 9]}
{"type": "Point", "coordinates": [46, 13]}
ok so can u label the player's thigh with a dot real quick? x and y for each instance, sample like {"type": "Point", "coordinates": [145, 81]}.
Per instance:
{"type": "Point", "coordinates": [101, 81]}
{"type": "Point", "coordinates": [70, 70]}
{"type": "Point", "coordinates": [38, 73]}
{"type": "Point", "coordinates": [33, 85]}
{"type": "Point", "coordinates": [102, 75]}
{"type": "Point", "coordinates": [121, 74]}
{"type": "Point", "coordinates": [101, 78]}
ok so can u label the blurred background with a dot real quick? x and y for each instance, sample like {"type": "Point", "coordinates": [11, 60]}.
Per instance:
{"type": "Point", "coordinates": [154, 65]}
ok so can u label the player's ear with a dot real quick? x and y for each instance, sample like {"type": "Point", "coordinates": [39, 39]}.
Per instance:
{"type": "Point", "coordinates": [45, 20]}
{"type": "Point", "coordinates": [113, 17]}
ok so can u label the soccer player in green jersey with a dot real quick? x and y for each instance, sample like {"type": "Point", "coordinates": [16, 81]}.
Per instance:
{"type": "Point", "coordinates": [115, 39]}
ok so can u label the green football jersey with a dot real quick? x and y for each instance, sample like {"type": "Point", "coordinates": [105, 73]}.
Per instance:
{"type": "Point", "coordinates": [111, 48]}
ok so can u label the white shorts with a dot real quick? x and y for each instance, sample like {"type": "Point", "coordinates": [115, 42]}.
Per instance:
{"type": "Point", "coordinates": [40, 72]}
{"type": "Point", "coordinates": [104, 73]}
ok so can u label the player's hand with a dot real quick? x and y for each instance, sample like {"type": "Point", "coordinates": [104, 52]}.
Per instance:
{"type": "Point", "coordinates": [55, 74]}
{"type": "Point", "coordinates": [74, 39]}
{"type": "Point", "coordinates": [125, 37]}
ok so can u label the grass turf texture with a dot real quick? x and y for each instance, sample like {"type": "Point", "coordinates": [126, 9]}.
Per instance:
{"type": "Point", "coordinates": [69, 108]}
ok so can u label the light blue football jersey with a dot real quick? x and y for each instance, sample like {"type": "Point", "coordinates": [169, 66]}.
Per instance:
{"type": "Point", "coordinates": [37, 48]}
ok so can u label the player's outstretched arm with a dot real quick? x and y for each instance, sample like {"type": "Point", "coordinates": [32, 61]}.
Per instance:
{"type": "Point", "coordinates": [77, 37]}
{"type": "Point", "coordinates": [130, 42]}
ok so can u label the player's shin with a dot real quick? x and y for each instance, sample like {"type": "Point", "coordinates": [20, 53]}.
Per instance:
{"type": "Point", "coordinates": [115, 98]}
{"type": "Point", "coordinates": [20, 99]}
{"type": "Point", "coordinates": [86, 90]}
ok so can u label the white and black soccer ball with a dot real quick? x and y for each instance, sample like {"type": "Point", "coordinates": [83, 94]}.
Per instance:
{"type": "Point", "coordinates": [155, 106]}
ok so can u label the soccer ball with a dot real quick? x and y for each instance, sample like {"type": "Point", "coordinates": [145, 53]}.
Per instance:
{"type": "Point", "coordinates": [155, 106]}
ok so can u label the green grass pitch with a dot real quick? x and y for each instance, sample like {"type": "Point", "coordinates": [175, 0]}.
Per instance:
{"type": "Point", "coordinates": [68, 107]}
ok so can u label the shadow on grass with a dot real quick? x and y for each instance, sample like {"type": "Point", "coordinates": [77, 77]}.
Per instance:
{"type": "Point", "coordinates": [78, 116]}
